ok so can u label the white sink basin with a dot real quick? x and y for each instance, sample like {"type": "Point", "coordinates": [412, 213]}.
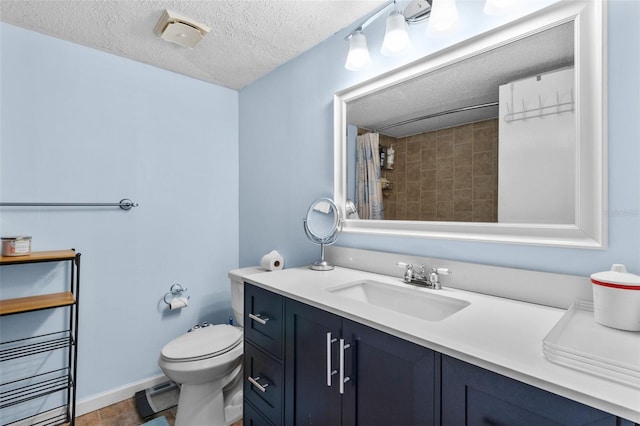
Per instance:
{"type": "Point", "coordinates": [409, 301]}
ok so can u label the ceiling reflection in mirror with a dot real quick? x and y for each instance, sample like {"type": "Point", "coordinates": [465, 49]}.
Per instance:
{"type": "Point", "coordinates": [490, 138]}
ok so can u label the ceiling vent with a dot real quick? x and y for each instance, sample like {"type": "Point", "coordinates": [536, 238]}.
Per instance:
{"type": "Point", "coordinates": [180, 30]}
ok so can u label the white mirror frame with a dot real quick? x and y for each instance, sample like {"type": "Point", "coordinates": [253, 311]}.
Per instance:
{"type": "Point", "coordinates": [590, 228]}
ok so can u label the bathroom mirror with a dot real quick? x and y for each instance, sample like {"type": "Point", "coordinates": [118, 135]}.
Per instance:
{"type": "Point", "coordinates": [322, 225]}
{"type": "Point", "coordinates": [438, 95]}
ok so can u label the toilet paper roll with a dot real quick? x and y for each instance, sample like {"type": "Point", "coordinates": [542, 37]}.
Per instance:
{"type": "Point", "coordinates": [272, 261]}
{"type": "Point", "coordinates": [179, 303]}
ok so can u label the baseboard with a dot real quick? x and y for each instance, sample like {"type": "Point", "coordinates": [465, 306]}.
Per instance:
{"type": "Point", "coordinates": [114, 396]}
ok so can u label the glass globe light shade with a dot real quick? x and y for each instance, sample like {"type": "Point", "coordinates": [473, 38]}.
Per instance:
{"type": "Point", "coordinates": [444, 15]}
{"type": "Point", "coordinates": [396, 36]}
{"type": "Point", "coordinates": [358, 55]}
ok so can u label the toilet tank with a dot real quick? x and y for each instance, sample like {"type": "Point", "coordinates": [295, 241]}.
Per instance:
{"type": "Point", "coordinates": [237, 276]}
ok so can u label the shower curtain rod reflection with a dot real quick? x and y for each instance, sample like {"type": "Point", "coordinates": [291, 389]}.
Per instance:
{"type": "Point", "coordinates": [124, 204]}
{"type": "Point", "coordinates": [437, 114]}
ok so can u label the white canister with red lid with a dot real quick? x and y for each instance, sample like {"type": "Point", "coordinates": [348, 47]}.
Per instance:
{"type": "Point", "coordinates": [616, 298]}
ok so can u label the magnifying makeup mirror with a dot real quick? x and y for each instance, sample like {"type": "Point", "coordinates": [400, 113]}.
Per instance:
{"type": "Point", "coordinates": [322, 225]}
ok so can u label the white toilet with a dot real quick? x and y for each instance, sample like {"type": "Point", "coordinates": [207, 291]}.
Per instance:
{"type": "Point", "coordinates": [207, 364]}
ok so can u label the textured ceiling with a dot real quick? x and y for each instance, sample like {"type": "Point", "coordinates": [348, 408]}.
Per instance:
{"type": "Point", "coordinates": [248, 38]}
{"type": "Point", "coordinates": [466, 83]}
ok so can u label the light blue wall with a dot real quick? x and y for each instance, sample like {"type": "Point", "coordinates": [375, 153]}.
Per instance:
{"type": "Point", "coordinates": [286, 152]}
{"type": "Point", "coordinates": [80, 125]}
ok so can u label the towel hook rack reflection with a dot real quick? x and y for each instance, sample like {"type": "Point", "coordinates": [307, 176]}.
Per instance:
{"type": "Point", "coordinates": [124, 204]}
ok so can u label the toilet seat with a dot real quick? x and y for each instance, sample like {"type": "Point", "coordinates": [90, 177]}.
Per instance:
{"type": "Point", "coordinates": [206, 342]}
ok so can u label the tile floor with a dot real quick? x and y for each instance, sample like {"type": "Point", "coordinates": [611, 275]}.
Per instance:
{"type": "Point", "coordinates": [124, 414]}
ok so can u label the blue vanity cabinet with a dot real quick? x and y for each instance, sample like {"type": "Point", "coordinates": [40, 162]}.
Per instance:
{"type": "Point", "coordinates": [293, 357]}
{"type": "Point", "coordinates": [474, 396]}
{"type": "Point", "coordinates": [386, 380]}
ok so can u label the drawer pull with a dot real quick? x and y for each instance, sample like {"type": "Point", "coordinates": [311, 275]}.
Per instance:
{"type": "Point", "coordinates": [330, 370]}
{"type": "Point", "coordinates": [343, 379]}
{"type": "Point", "coordinates": [258, 318]}
{"type": "Point", "coordinates": [254, 382]}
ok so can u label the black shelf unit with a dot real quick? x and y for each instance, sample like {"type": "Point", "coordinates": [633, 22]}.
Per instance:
{"type": "Point", "coordinates": [33, 387]}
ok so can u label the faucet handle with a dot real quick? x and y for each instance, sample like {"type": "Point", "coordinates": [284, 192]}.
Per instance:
{"type": "Point", "coordinates": [441, 271]}
{"type": "Point", "coordinates": [434, 277]}
{"type": "Point", "coordinates": [408, 272]}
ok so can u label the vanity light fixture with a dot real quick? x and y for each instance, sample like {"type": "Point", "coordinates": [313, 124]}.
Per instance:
{"type": "Point", "coordinates": [396, 38]}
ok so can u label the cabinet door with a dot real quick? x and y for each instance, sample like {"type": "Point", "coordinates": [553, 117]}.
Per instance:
{"type": "Point", "coordinates": [474, 396]}
{"type": "Point", "coordinates": [391, 381]}
{"type": "Point", "coordinates": [309, 398]}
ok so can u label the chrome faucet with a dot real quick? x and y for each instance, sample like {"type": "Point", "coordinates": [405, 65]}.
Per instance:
{"type": "Point", "coordinates": [421, 277]}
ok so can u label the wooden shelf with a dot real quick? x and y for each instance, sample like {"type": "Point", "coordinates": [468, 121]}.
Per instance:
{"type": "Point", "coordinates": [39, 256]}
{"type": "Point", "coordinates": [35, 303]}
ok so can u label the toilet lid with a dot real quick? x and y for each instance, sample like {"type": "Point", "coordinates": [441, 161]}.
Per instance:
{"type": "Point", "coordinates": [202, 343]}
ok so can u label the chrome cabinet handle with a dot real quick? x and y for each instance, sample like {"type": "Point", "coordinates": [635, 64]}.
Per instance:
{"type": "Point", "coordinates": [330, 370]}
{"type": "Point", "coordinates": [254, 382]}
{"type": "Point", "coordinates": [343, 379]}
{"type": "Point", "coordinates": [258, 318]}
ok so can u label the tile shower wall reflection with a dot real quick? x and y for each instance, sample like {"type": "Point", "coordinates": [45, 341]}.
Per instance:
{"type": "Point", "coordinates": [449, 174]}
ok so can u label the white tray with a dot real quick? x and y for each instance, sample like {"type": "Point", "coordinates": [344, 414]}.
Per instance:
{"type": "Point", "coordinates": [579, 342]}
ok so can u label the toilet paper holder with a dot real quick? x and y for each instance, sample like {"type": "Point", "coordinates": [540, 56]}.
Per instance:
{"type": "Point", "coordinates": [175, 290]}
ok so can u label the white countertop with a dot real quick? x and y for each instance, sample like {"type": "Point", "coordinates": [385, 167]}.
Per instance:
{"type": "Point", "coordinates": [501, 335]}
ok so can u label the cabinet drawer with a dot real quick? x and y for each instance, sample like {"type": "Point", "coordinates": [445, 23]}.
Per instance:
{"type": "Point", "coordinates": [267, 395]}
{"type": "Point", "coordinates": [252, 417]}
{"type": "Point", "coordinates": [263, 319]}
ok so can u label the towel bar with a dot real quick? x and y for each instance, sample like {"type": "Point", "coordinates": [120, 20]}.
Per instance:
{"type": "Point", "coordinates": [124, 204]}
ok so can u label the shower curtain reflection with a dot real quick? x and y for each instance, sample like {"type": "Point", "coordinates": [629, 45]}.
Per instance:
{"type": "Point", "coordinates": [368, 185]}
